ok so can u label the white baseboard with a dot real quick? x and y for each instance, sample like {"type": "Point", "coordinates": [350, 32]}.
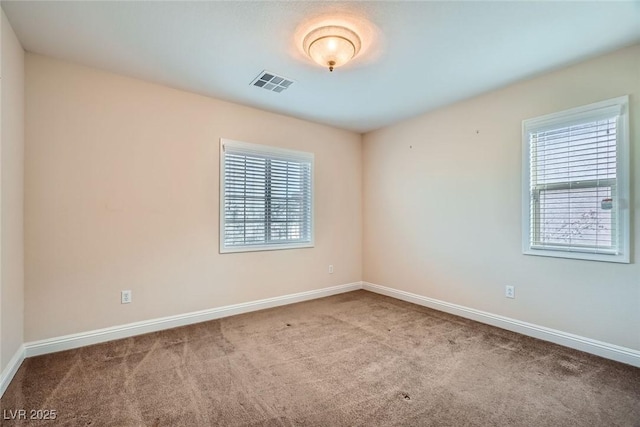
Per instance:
{"type": "Point", "coordinates": [588, 345]}
{"type": "Point", "coordinates": [10, 370]}
{"type": "Point", "coordinates": [67, 342]}
{"type": "Point", "coordinates": [82, 339]}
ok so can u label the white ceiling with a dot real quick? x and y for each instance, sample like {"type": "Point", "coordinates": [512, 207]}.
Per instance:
{"type": "Point", "coordinates": [416, 56]}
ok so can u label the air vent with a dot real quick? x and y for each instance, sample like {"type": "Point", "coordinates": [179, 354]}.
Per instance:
{"type": "Point", "coordinates": [271, 81]}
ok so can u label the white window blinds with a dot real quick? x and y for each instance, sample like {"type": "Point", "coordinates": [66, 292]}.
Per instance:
{"type": "Point", "coordinates": [266, 197]}
{"type": "Point", "coordinates": [574, 202]}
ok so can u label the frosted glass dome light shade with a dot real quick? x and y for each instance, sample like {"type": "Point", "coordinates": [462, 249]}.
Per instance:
{"type": "Point", "coordinates": [332, 46]}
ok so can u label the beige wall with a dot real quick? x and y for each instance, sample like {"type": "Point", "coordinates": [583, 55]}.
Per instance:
{"type": "Point", "coordinates": [122, 193]}
{"type": "Point", "coordinates": [11, 188]}
{"type": "Point", "coordinates": [442, 208]}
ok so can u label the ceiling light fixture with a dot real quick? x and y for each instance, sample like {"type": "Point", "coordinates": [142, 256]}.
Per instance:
{"type": "Point", "coordinates": [332, 46]}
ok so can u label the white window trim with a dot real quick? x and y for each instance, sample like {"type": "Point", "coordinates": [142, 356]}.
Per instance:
{"type": "Point", "coordinates": [580, 114]}
{"type": "Point", "coordinates": [259, 148]}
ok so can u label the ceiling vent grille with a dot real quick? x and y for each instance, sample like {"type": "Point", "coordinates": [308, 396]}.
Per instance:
{"type": "Point", "coordinates": [272, 82]}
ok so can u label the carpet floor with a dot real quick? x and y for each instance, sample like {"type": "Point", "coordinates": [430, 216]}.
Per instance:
{"type": "Point", "coordinates": [355, 359]}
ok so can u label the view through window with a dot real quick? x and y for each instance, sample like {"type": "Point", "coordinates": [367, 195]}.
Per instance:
{"type": "Point", "coordinates": [266, 197]}
{"type": "Point", "coordinates": [576, 183]}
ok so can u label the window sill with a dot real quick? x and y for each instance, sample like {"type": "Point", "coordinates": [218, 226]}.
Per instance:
{"type": "Point", "coordinates": [260, 248]}
{"type": "Point", "coordinates": [577, 254]}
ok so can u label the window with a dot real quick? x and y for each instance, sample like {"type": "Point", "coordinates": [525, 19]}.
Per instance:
{"type": "Point", "coordinates": [266, 199]}
{"type": "Point", "coordinates": [576, 183]}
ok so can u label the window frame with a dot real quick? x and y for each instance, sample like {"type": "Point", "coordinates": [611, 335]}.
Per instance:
{"type": "Point", "coordinates": [620, 190]}
{"type": "Point", "coordinates": [269, 151]}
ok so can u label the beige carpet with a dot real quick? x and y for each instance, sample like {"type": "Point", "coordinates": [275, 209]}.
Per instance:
{"type": "Point", "coordinates": [353, 359]}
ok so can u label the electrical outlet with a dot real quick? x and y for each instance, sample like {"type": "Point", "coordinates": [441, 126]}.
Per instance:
{"type": "Point", "coordinates": [331, 269]}
{"type": "Point", "coordinates": [510, 291]}
{"type": "Point", "coordinates": [125, 297]}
